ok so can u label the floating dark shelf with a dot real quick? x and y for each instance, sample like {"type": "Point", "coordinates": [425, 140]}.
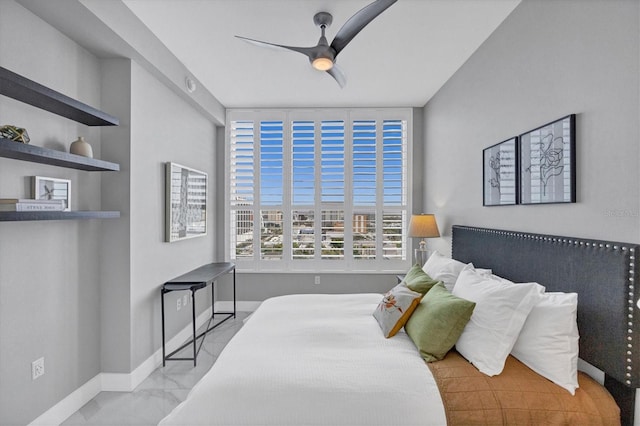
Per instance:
{"type": "Point", "coordinates": [18, 87]}
{"type": "Point", "coordinates": [36, 154]}
{"type": "Point", "coordinates": [47, 215]}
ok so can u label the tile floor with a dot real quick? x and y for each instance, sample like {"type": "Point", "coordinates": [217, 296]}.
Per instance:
{"type": "Point", "coordinates": [164, 389]}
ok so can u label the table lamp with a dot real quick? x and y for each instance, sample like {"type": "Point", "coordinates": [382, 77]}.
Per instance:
{"type": "Point", "coordinates": [423, 226]}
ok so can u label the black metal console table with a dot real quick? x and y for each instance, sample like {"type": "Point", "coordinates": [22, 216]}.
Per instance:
{"type": "Point", "coordinates": [195, 280]}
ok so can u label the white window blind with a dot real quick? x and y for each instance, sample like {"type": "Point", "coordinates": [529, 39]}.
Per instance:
{"type": "Point", "coordinates": [321, 190]}
{"type": "Point", "coordinates": [332, 161]}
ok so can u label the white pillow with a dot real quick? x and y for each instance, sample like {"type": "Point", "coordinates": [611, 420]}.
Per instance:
{"type": "Point", "coordinates": [501, 310]}
{"type": "Point", "coordinates": [548, 342]}
{"type": "Point", "coordinates": [443, 269]}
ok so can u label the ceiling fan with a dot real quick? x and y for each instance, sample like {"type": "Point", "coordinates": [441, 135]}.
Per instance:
{"type": "Point", "coordinates": [323, 55]}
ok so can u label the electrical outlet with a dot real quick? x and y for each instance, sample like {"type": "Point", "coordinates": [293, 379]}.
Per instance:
{"type": "Point", "coordinates": [316, 280]}
{"type": "Point", "coordinates": [37, 368]}
{"type": "Point", "coordinates": [185, 300]}
{"type": "Point", "coordinates": [179, 303]}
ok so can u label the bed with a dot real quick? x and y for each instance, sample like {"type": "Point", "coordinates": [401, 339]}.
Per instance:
{"type": "Point", "coordinates": [321, 359]}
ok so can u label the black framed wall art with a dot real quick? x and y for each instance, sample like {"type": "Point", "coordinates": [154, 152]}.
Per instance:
{"type": "Point", "coordinates": [500, 173]}
{"type": "Point", "coordinates": [547, 163]}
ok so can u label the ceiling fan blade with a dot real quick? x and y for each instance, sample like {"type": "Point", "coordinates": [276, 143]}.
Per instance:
{"type": "Point", "coordinates": [304, 50]}
{"type": "Point", "coordinates": [338, 75]}
{"type": "Point", "coordinates": [357, 22]}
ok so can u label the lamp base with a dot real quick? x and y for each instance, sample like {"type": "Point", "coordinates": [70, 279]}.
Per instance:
{"type": "Point", "coordinates": [421, 256]}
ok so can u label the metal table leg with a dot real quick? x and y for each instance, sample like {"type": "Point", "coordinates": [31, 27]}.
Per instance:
{"type": "Point", "coordinates": [163, 338]}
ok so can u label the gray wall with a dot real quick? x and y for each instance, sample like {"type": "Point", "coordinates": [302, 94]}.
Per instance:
{"type": "Point", "coordinates": [136, 260]}
{"type": "Point", "coordinates": [85, 294]}
{"type": "Point", "coordinates": [157, 126]}
{"type": "Point", "coordinates": [258, 287]}
{"type": "Point", "coordinates": [49, 291]}
{"type": "Point", "coordinates": [548, 59]}
{"type": "Point", "coordinates": [115, 249]}
{"type": "Point", "coordinates": [164, 128]}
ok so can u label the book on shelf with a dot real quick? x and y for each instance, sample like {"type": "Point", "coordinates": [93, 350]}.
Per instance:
{"type": "Point", "coordinates": [28, 200]}
{"type": "Point", "coordinates": [28, 205]}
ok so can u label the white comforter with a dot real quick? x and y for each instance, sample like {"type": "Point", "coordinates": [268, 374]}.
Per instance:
{"type": "Point", "coordinates": [314, 360]}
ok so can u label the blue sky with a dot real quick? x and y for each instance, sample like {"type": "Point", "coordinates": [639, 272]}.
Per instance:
{"type": "Point", "coordinates": [333, 155]}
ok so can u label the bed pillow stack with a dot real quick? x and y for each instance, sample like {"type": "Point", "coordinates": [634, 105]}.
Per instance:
{"type": "Point", "coordinates": [439, 318]}
{"type": "Point", "coordinates": [487, 318]}
{"type": "Point", "coordinates": [538, 328]}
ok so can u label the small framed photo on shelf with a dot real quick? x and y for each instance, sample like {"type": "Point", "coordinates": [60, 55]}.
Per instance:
{"type": "Point", "coordinates": [500, 173]}
{"type": "Point", "coordinates": [547, 163]}
{"type": "Point", "coordinates": [46, 188]}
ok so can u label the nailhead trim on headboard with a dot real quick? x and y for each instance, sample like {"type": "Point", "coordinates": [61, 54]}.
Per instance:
{"type": "Point", "coordinates": [629, 360]}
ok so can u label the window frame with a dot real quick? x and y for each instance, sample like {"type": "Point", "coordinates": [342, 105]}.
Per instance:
{"type": "Point", "coordinates": [348, 264]}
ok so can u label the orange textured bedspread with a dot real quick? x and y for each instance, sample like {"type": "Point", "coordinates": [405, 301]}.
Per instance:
{"type": "Point", "coordinates": [518, 396]}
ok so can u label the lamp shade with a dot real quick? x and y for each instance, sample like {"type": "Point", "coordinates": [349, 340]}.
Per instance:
{"type": "Point", "coordinates": [423, 226]}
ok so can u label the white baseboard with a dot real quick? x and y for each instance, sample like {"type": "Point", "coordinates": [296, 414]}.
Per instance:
{"type": "Point", "coordinates": [72, 403]}
{"type": "Point", "coordinates": [127, 382]}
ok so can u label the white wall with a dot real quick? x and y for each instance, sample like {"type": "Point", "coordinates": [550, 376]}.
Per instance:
{"type": "Point", "coordinates": [547, 60]}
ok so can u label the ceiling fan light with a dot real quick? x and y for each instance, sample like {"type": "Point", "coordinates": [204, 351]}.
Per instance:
{"type": "Point", "coordinates": [322, 64]}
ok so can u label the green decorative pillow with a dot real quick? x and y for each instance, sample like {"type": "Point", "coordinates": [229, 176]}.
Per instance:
{"type": "Point", "coordinates": [418, 280]}
{"type": "Point", "coordinates": [437, 322]}
{"type": "Point", "coordinates": [395, 309]}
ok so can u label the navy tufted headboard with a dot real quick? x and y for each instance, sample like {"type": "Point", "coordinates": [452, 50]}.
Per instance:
{"type": "Point", "coordinates": [601, 272]}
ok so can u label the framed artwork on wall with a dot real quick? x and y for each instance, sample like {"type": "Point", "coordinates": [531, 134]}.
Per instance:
{"type": "Point", "coordinates": [547, 163]}
{"type": "Point", "coordinates": [186, 202]}
{"type": "Point", "coordinates": [500, 173]}
{"type": "Point", "coordinates": [46, 188]}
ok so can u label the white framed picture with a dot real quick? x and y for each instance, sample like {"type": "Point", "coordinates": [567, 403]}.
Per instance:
{"type": "Point", "coordinates": [46, 188]}
{"type": "Point", "coordinates": [186, 202]}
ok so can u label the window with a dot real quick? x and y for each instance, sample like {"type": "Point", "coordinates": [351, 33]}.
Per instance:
{"type": "Point", "coordinates": [318, 190]}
